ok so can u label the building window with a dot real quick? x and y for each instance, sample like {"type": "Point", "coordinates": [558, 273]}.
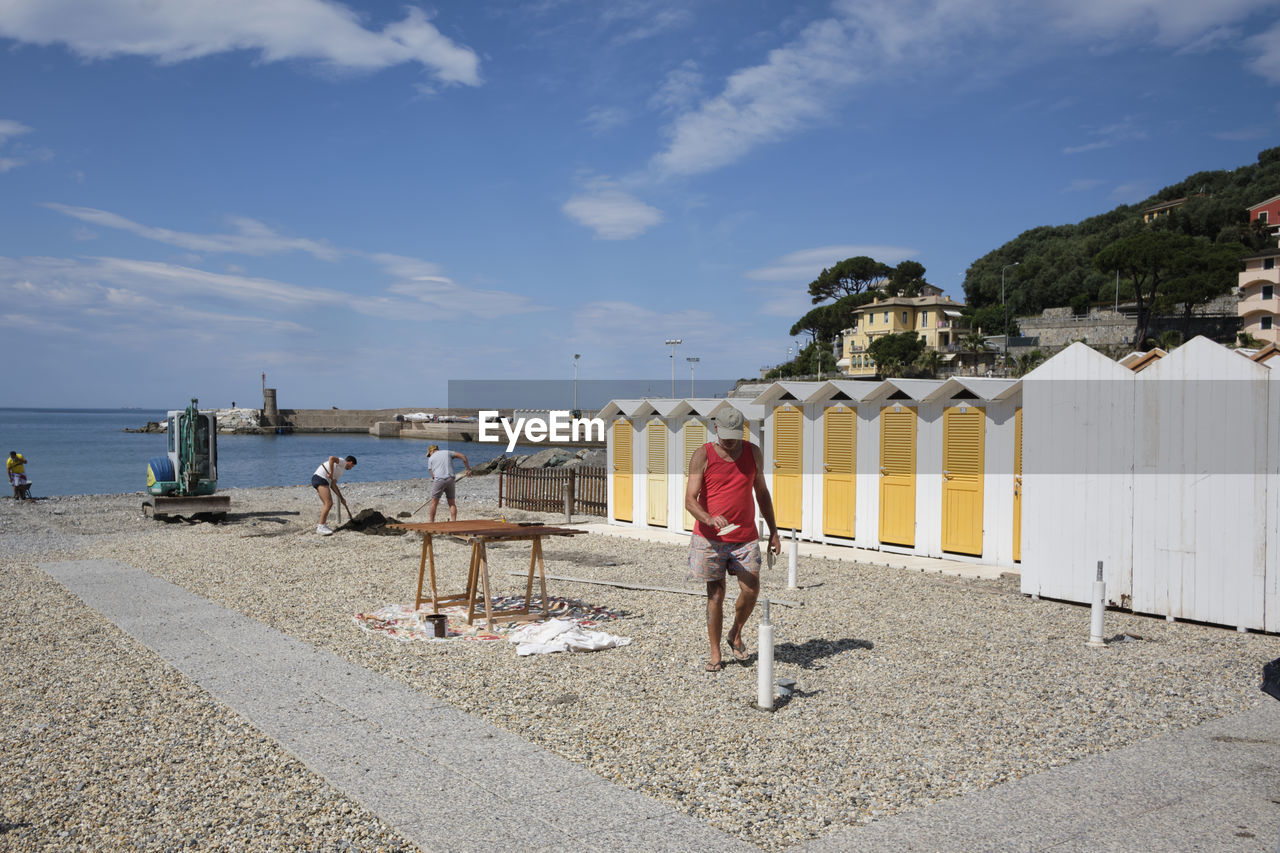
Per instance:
{"type": "Point", "coordinates": [904, 319]}
{"type": "Point", "coordinates": [1268, 263]}
{"type": "Point", "coordinates": [924, 319]}
{"type": "Point", "coordinates": [886, 317]}
{"type": "Point", "coordinates": [1262, 215]}
{"type": "Point", "coordinates": [1268, 291]}
{"type": "Point", "coordinates": [1266, 324]}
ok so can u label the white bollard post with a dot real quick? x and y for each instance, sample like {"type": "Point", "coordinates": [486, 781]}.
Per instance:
{"type": "Point", "coordinates": [1098, 609]}
{"type": "Point", "coordinates": [793, 554]}
{"type": "Point", "coordinates": [764, 660]}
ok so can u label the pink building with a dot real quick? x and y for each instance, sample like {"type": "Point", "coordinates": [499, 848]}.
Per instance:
{"type": "Point", "coordinates": [1268, 212]}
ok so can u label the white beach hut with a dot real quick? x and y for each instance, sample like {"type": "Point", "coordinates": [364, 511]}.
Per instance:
{"type": "Point", "coordinates": [1077, 482]}
{"type": "Point", "coordinates": [1200, 487]}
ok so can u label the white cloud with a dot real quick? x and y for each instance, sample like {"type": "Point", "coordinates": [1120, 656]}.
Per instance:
{"type": "Point", "coordinates": [9, 127]}
{"type": "Point", "coordinates": [762, 104]}
{"type": "Point", "coordinates": [680, 89]}
{"type": "Point", "coordinates": [1266, 49]}
{"type": "Point", "coordinates": [179, 30]}
{"type": "Point", "coordinates": [803, 81]}
{"type": "Point", "coordinates": [655, 23]}
{"type": "Point", "coordinates": [250, 238]}
{"type": "Point", "coordinates": [1243, 135]}
{"type": "Point", "coordinates": [1083, 185]}
{"type": "Point", "coordinates": [604, 119]}
{"type": "Point", "coordinates": [611, 212]}
{"type": "Point", "coordinates": [8, 163]}
{"type": "Point", "coordinates": [805, 265]}
{"type": "Point", "coordinates": [1130, 193]}
{"type": "Point", "coordinates": [1127, 129]}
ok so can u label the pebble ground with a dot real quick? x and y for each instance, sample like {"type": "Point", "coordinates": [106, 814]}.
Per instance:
{"type": "Point", "coordinates": [910, 687]}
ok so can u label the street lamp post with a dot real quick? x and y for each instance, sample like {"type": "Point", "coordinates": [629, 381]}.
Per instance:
{"type": "Point", "coordinates": [1005, 305]}
{"type": "Point", "coordinates": [673, 343]}
{"type": "Point", "coordinates": [576, 356]}
{"type": "Point", "coordinates": [692, 362]}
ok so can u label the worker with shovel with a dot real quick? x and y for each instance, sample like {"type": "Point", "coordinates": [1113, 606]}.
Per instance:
{"type": "Point", "coordinates": [440, 463]}
{"type": "Point", "coordinates": [325, 481]}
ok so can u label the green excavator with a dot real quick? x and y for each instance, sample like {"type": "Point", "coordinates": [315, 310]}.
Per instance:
{"type": "Point", "coordinates": [183, 482]}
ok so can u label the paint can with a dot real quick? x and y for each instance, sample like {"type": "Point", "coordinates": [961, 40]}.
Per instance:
{"type": "Point", "coordinates": [437, 623]}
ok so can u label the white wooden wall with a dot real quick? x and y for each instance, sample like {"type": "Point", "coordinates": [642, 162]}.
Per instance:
{"type": "Point", "coordinates": [1200, 506]}
{"type": "Point", "coordinates": [1077, 496]}
{"type": "Point", "coordinates": [1271, 609]}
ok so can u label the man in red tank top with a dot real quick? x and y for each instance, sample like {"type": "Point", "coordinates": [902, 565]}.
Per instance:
{"type": "Point", "coordinates": [726, 481]}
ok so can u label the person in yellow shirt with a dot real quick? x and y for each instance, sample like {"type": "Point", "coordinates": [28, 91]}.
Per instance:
{"type": "Point", "coordinates": [16, 464]}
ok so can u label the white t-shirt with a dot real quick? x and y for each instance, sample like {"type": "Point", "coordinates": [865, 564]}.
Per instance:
{"type": "Point", "coordinates": [440, 464]}
{"type": "Point", "coordinates": [323, 470]}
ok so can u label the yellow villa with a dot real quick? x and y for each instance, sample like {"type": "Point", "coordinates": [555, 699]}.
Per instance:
{"type": "Point", "coordinates": [932, 316]}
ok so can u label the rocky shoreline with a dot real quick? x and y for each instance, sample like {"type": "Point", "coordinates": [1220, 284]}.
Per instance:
{"type": "Point", "coordinates": [910, 688]}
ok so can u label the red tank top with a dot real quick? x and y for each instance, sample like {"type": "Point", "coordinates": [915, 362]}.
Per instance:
{"type": "Point", "coordinates": [728, 489]}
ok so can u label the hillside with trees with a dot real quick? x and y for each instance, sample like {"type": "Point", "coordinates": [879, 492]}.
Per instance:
{"type": "Point", "coordinates": [1181, 260]}
{"type": "Point", "coordinates": [1176, 259]}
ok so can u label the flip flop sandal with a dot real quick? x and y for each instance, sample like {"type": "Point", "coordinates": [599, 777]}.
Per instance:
{"type": "Point", "coordinates": [714, 667]}
{"type": "Point", "coordinates": [740, 650]}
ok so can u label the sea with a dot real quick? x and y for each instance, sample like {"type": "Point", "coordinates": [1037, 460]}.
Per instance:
{"type": "Point", "coordinates": [87, 452]}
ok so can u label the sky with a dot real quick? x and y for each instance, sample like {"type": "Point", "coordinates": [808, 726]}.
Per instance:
{"type": "Point", "coordinates": [363, 201]}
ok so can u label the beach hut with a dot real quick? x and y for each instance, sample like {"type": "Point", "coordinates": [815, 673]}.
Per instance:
{"type": "Point", "coordinates": [842, 435]}
{"type": "Point", "coordinates": [789, 421]}
{"type": "Point", "coordinates": [1078, 434]}
{"type": "Point", "coordinates": [1200, 487]}
{"type": "Point", "coordinates": [978, 504]}
{"type": "Point", "coordinates": [1271, 616]}
{"type": "Point", "coordinates": [906, 462]}
{"type": "Point", "coordinates": [620, 459]}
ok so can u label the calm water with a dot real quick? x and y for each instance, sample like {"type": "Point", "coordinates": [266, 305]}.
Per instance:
{"type": "Point", "coordinates": [84, 452]}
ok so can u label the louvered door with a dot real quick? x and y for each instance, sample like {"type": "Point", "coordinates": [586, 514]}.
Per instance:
{"type": "Point", "coordinates": [788, 422]}
{"type": "Point", "coordinates": [963, 428]}
{"type": "Point", "coordinates": [839, 452]}
{"type": "Point", "coordinates": [622, 469]}
{"type": "Point", "coordinates": [898, 476]}
{"type": "Point", "coordinates": [656, 473]}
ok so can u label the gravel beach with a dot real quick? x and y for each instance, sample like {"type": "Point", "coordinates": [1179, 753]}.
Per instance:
{"type": "Point", "coordinates": [911, 687]}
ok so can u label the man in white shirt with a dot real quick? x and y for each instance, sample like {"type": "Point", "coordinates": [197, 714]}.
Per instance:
{"type": "Point", "coordinates": [440, 463]}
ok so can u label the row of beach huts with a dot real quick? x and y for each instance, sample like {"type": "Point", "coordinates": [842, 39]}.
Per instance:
{"type": "Point", "coordinates": [1164, 467]}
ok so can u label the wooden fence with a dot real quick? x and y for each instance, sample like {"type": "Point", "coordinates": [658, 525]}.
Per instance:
{"type": "Point", "coordinates": [543, 489]}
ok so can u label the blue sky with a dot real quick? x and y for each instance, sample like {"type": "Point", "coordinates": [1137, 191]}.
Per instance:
{"type": "Point", "coordinates": [366, 200]}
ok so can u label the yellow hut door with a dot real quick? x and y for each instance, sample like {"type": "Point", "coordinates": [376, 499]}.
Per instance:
{"type": "Point", "coordinates": [622, 470]}
{"type": "Point", "coordinates": [788, 422]}
{"type": "Point", "coordinates": [1017, 486]}
{"type": "Point", "coordinates": [839, 450]}
{"type": "Point", "coordinates": [656, 473]}
{"type": "Point", "coordinates": [963, 428]}
{"type": "Point", "coordinates": [898, 476]}
{"type": "Point", "coordinates": [695, 435]}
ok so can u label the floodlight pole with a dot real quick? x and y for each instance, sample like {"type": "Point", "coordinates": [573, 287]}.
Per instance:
{"type": "Point", "coordinates": [673, 343]}
{"type": "Point", "coordinates": [576, 356]}
{"type": "Point", "coordinates": [692, 362]}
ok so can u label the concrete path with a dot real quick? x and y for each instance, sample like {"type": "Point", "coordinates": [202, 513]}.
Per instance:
{"type": "Point", "coordinates": [1215, 788]}
{"type": "Point", "coordinates": [447, 780]}
{"type": "Point", "coordinates": [843, 553]}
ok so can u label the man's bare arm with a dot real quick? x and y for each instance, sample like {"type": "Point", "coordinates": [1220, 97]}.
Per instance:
{"type": "Point", "coordinates": [765, 501]}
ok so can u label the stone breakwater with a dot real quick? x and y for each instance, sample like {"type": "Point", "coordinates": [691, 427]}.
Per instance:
{"type": "Point", "coordinates": [910, 687]}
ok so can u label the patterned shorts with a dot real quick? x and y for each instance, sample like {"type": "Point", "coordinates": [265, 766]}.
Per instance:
{"type": "Point", "coordinates": [709, 561]}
